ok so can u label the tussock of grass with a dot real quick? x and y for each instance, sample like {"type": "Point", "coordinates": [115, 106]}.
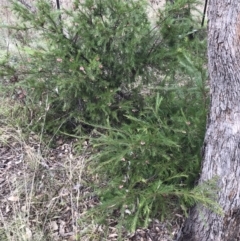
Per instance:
{"type": "Point", "coordinates": [44, 192]}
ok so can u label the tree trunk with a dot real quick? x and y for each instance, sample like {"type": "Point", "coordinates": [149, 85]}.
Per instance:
{"type": "Point", "coordinates": [221, 150]}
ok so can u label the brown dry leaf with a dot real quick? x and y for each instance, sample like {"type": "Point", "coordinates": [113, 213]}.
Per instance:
{"type": "Point", "coordinates": [13, 199]}
{"type": "Point", "coordinates": [7, 209]}
{"type": "Point", "coordinates": [28, 234]}
{"type": "Point", "coordinates": [113, 235]}
{"type": "Point", "coordinates": [62, 228]}
{"type": "Point", "coordinates": [72, 238]}
{"type": "Point", "coordinates": [24, 209]}
{"type": "Point", "coordinates": [54, 226]}
{"type": "Point", "coordinates": [59, 142]}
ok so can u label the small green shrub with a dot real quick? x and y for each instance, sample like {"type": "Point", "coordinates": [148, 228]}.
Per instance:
{"type": "Point", "coordinates": [152, 162]}
{"type": "Point", "coordinates": [92, 61]}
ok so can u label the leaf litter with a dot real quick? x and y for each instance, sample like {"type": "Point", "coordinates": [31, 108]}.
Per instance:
{"type": "Point", "coordinates": [48, 192]}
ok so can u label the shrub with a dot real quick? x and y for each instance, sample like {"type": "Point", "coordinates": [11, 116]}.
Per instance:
{"type": "Point", "coordinates": [152, 162]}
{"type": "Point", "coordinates": [90, 61]}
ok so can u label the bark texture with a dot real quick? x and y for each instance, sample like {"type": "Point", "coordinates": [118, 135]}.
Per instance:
{"type": "Point", "coordinates": [222, 140]}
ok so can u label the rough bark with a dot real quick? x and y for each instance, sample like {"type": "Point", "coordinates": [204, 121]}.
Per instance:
{"type": "Point", "coordinates": [222, 140]}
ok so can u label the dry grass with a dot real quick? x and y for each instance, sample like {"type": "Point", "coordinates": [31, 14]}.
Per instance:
{"type": "Point", "coordinates": [43, 192]}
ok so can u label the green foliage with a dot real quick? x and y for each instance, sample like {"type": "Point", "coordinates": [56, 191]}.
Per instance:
{"type": "Point", "coordinates": [90, 65]}
{"type": "Point", "coordinates": [86, 64]}
{"type": "Point", "coordinates": [152, 161]}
